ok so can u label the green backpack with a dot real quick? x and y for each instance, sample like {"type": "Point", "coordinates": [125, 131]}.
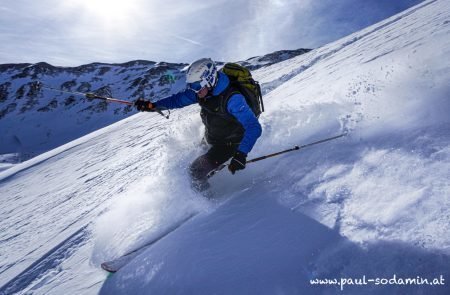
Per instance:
{"type": "Point", "coordinates": [241, 78]}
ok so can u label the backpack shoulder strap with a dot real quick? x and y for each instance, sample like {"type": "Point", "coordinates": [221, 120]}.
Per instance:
{"type": "Point", "coordinates": [227, 94]}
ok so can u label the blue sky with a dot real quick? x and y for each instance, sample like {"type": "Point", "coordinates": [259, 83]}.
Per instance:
{"type": "Point", "coordinates": [75, 32]}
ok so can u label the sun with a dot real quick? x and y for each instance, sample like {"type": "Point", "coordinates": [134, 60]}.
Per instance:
{"type": "Point", "coordinates": [113, 8]}
{"type": "Point", "coordinates": [107, 12]}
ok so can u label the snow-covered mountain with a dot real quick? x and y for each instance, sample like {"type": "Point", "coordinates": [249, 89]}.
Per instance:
{"type": "Point", "coordinates": [35, 119]}
{"type": "Point", "coordinates": [373, 205]}
{"type": "Point", "coordinates": [257, 62]}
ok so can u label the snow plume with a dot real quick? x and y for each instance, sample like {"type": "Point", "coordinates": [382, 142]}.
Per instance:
{"type": "Point", "coordinates": [159, 199]}
{"type": "Point", "coordinates": [144, 211]}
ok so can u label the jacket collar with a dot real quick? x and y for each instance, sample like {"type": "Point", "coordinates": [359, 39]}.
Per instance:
{"type": "Point", "coordinates": [222, 84]}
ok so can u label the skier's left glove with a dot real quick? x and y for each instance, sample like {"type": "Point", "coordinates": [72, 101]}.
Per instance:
{"type": "Point", "coordinates": [238, 162]}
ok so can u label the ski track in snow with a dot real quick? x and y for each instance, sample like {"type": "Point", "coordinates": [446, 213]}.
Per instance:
{"type": "Point", "coordinates": [47, 262]}
{"type": "Point", "coordinates": [385, 186]}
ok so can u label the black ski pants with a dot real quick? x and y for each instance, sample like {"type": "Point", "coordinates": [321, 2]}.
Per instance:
{"type": "Point", "coordinates": [214, 157]}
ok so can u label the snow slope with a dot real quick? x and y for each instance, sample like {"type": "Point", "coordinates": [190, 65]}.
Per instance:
{"type": "Point", "coordinates": [375, 203]}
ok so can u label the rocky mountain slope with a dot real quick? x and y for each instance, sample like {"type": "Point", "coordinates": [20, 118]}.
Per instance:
{"type": "Point", "coordinates": [35, 120]}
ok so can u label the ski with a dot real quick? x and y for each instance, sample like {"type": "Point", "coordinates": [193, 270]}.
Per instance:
{"type": "Point", "coordinates": [114, 265]}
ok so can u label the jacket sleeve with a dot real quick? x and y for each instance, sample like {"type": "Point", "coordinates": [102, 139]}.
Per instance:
{"type": "Point", "coordinates": [238, 107]}
{"type": "Point", "coordinates": [178, 100]}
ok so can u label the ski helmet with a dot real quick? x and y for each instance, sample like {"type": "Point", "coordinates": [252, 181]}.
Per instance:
{"type": "Point", "coordinates": [201, 73]}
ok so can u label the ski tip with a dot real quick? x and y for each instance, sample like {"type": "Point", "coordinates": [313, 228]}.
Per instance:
{"type": "Point", "coordinates": [106, 267]}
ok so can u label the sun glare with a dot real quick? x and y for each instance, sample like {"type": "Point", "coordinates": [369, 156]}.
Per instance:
{"type": "Point", "coordinates": [108, 12]}
{"type": "Point", "coordinates": [112, 8]}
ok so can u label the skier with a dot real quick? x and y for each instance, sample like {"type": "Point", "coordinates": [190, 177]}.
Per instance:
{"type": "Point", "coordinates": [231, 131]}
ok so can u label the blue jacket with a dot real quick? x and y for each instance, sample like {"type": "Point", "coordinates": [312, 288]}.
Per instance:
{"type": "Point", "coordinates": [237, 107]}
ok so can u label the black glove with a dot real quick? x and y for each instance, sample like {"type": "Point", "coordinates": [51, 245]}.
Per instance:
{"type": "Point", "coordinates": [144, 105]}
{"type": "Point", "coordinates": [238, 162]}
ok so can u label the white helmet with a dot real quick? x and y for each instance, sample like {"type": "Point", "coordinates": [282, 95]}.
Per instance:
{"type": "Point", "coordinates": [201, 73]}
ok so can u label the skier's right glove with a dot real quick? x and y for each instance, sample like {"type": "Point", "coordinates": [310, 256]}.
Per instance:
{"type": "Point", "coordinates": [144, 105]}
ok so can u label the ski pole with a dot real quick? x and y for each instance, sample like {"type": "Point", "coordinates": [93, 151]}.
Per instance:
{"type": "Point", "coordinates": [90, 95]}
{"type": "Point", "coordinates": [109, 99]}
{"type": "Point", "coordinates": [295, 148]}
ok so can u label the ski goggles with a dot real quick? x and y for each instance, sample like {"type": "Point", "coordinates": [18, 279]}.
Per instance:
{"type": "Point", "coordinates": [197, 86]}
